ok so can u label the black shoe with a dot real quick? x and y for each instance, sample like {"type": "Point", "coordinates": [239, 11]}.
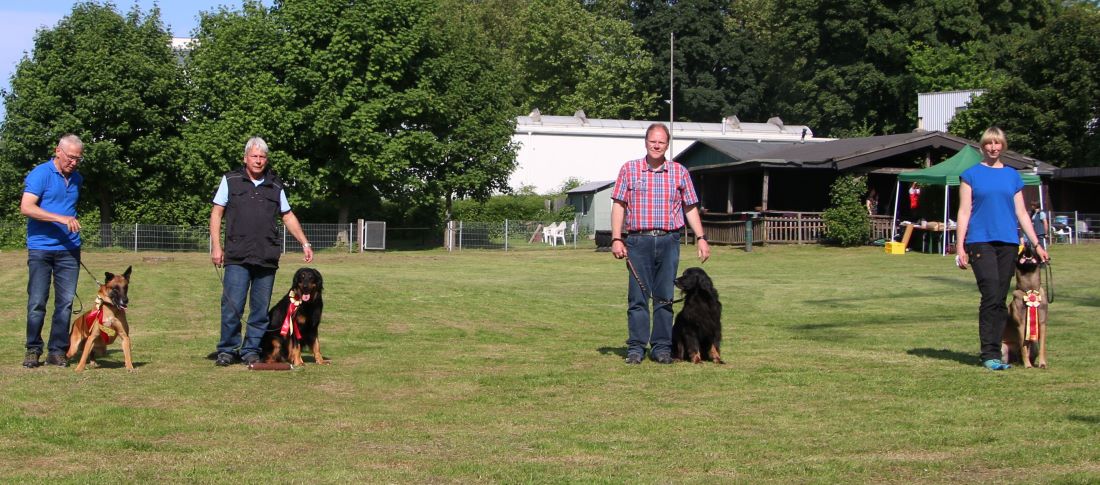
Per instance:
{"type": "Point", "coordinates": [250, 359]}
{"type": "Point", "coordinates": [663, 358]}
{"type": "Point", "coordinates": [633, 359]}
{"type": "Point", "coordinates": [30, 360]}
{"type": "Point", "coordinates": [57, 359]}
{"type": "Point", "coordinates": [224, 359]}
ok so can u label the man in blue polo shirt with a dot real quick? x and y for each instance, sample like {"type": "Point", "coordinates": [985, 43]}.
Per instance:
{"type": "Point", "coordinates": [50, 193]}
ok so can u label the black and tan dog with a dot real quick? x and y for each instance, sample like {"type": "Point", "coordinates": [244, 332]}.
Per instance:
{"type": "Point", "coordinates": [1027, 323]}
{"type": "Point", "coordinates": [95, 329]}
{"type": "Point", "coordinates": [294, 321]}
{"type": "Point", "coordinates": [698, 326]}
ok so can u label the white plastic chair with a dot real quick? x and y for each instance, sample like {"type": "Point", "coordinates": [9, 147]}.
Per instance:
{"type": "Point", "coordinates": [547, 233]}
{"type": "Point", "coordinates": [559, 233]}
{"type": "Point", "coordinates": [1064, 234]}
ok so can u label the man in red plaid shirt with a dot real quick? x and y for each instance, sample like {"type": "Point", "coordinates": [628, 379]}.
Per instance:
{"type": "Point", "coordinates": [653, 196]}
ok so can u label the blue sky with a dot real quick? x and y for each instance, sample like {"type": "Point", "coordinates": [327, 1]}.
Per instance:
{"type": "Point", "coordinates": [21, 19]}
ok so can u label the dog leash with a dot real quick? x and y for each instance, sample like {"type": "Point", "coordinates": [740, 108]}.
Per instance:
{"type": "Point", "coordinates": [77, 294]}
{"type": "Point", "coordinates": [645, 290]}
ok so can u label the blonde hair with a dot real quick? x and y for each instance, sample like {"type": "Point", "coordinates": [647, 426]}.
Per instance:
{"type": "Point", "coordinates": [994, 134]}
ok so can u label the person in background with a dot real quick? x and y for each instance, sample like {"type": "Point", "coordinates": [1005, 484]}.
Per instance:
{"type": "Point", "coordinates": [872, 202]}
{"type": "Point", "coordinates": [250, 198]}
{"type": "Point", "coordinates": [652, 198]}
{"type": "Point", "coordinates": [50, 193]}
{"type": "Point", "coordinates": [991, 203]}
{"type": "Point", "coordinates": [1040, 223]}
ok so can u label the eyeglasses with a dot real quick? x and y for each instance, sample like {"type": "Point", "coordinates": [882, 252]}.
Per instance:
{"type": "Point", "coordinates": [70, 157]}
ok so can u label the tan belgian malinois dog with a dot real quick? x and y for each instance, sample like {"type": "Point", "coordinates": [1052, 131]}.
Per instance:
{"type": "Point", "coordinates": [96, 328]}
{"type": "Point", "coordinates": [1027, 323]}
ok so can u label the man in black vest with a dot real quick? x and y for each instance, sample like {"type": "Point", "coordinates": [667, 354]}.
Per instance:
{"type": "Point", "coordinates": [250, 198]}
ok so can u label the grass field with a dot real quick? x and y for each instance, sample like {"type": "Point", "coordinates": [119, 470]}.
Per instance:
{"type": "Point", "coordinates": [844, 365]}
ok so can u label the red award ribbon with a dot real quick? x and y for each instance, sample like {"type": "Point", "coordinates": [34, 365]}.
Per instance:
{"type": "Point", "coordinates": [1031, 327]}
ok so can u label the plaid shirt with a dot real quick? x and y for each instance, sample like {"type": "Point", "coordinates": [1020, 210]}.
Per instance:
{"type": "Point", "coordinates": [655, 199]}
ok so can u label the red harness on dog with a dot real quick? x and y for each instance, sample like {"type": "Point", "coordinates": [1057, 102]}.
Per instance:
{"type": "Point", "coordinates": [95, 317]}
{"type": "Point", "coordinates": [1031, 325]}
{"type": "Point", "coordinates": [288, 322]}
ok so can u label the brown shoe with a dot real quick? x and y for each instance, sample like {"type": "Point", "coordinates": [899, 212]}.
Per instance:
{"type": "Point", "coordinates": [30, 360]}
{"type": "Point", "coordinates": [57, 359]}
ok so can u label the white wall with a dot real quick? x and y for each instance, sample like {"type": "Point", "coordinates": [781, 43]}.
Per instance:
{"type": "Point", "coordinates": [546, 161]}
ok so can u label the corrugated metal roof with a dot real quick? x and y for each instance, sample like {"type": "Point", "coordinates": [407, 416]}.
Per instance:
{"type": "Point", "coordinates": [592, 187]}
{"type": "Point", "coordinates": [850, 152]}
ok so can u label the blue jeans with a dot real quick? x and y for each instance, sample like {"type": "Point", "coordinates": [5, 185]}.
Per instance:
{"type": "Point", "coordinates": [255, 283]}
{"type": "Point", "coordinates": [63, 268]}
{"type": "Point", "coordinates": [655, 259]}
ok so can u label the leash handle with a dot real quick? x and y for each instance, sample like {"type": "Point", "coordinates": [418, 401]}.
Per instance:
{"type": "Point", "coordinates": [649, 294]}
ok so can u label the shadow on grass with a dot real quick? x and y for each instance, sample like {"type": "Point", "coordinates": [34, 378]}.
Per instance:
{"type": "Point", "coordinates": [943, 354]}
{"type": "Point", "coordinates": [1084, 419]}
{"type": "Point", "coordinates": [111, 364]}
{"type": "Point", "coordinates": [619, 351]}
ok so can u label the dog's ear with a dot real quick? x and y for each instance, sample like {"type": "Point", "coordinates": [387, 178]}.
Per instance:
{"type": "Point", "coordinates": [320, 280]}
{"type": "Point", "coordinates": [126, 274]}
{"type": "Point", "coordinates": [108, 276]}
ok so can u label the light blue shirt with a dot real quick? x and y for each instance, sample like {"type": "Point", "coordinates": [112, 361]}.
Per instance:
{"type": "Point", "coordinates": [222, 196]}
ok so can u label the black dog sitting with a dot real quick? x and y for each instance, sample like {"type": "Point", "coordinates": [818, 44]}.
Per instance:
{"type": "Point", "coordinates": [294, 320]}
{"type": "Point", "coordinates": [698, 326]}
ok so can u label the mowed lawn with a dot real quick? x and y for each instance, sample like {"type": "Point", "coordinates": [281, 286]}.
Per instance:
{"type": "Point", "coordinates": [844, 366]}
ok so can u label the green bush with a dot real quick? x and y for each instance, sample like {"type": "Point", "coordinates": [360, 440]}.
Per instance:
{"type": "Point", "coordinates": [524, 207]}
{"type": "Point", "coordinates": [846, 220]}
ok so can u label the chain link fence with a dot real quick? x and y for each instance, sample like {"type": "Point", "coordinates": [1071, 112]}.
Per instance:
{"type": "Point", "coordinates": [511, 235]}
{"type": "Point", "coordinates": [157, 237]}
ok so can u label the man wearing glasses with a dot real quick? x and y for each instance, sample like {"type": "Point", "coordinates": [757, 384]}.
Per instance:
{"type": "Point", "coordinates": [250, 199]}
{"type": "Point", "coordinates": [50, 194]}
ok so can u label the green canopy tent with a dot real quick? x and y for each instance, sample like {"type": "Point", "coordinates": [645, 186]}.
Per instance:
{"type": "Point", "coordinates": [947, 173]}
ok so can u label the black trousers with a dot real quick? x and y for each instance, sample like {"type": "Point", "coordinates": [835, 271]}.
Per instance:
{"type": "Point", "coordinates": [994, 265]}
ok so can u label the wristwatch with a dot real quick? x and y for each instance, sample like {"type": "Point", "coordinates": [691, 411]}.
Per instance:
{"type": "Point", "coordinates": [307, 245]}
{"type": "Point", "coordinates": [702, 238]}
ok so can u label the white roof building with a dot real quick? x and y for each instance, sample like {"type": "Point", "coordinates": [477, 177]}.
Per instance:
{"type": "Point", "coordinates": [553, 149]}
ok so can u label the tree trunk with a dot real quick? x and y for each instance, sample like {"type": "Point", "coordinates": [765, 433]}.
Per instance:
{"type": "Point", "coordinates": [106, 217]}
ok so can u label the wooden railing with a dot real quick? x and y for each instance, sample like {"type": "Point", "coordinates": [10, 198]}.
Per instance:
{"type": "Point", "coordinates": [778, 228]}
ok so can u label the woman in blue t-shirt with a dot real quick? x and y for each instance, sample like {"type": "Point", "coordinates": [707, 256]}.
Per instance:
{"type": "Point", "coordinates": [991, 205]}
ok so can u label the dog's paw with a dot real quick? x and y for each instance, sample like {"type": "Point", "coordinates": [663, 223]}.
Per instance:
{"type": "Point", "coordinates": [1042, 364]}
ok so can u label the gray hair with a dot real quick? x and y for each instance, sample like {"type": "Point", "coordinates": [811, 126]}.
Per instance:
{"type": "Point", "coordinates": [71, 141]}
{"type": "Point", "coordinates": [257, 143]}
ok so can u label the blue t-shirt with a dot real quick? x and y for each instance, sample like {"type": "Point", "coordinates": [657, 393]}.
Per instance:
{"type": "Point", "coordinates": [993, 208]}
{"type": "Point", "coordinates": [57, 196]}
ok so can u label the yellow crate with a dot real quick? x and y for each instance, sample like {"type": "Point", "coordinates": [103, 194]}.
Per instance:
{"type": "Point", "coordinates": [893, 247]}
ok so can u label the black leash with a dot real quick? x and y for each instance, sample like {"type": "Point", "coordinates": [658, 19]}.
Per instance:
{"type": "Point", "coordinates": [1049, 280]}
{"type": "Point", "coordinates": [77, 294]}
{"type": "Point", "coordinates": [645, 290]}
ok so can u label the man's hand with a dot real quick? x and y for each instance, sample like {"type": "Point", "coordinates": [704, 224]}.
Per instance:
{"type": "Point", "coordinates": [217, 256]}
{"type": "Point", "coordinates": [309, 253]}
{"type": "Point", "coordinates": [618, 248]}
{"type": "Point", "coordinates": [72, 224]}
{"type": "Point", "coordinates": [703, 249]}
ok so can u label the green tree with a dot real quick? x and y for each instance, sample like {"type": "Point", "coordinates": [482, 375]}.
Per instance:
{"type": "Point", "coordinates": [1049, 102]}
{"type": "Point", "coordinates": [114, 81]}
{"type": "Point", "coordinates": [571, 59]}
{"type": "Point", "coordinates": [846, 219]}
{"type": "Point", "coordinates": [236, 73]}
{"type": "Point", "coordinates": [718, 68]}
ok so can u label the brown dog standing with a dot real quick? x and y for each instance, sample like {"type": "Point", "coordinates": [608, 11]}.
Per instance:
{"type": "Point", "coordinates": [98, 327]}
{"type": "Point", "coordinates": [1027, 313]}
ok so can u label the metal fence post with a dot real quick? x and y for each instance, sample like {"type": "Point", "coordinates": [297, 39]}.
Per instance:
{"type": "Point", "coordinates": [748, 234]}
{"type": "Point", "coordinates": [135, 237]}
{"type": "Point", "coordinates": [284, 239]}
{"type": "Point", "coordinates": [506, 234]}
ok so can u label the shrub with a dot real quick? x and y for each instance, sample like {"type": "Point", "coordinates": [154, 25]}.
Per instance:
{"type": "Point", "coordinates": [846, 220]}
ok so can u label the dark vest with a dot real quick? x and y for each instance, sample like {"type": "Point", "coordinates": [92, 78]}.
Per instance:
{"type": "Point", "coordinates": [250, 215]}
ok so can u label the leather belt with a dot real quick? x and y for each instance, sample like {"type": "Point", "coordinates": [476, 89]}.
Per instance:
{"type": "Point", "coordinates": [651, 232]}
